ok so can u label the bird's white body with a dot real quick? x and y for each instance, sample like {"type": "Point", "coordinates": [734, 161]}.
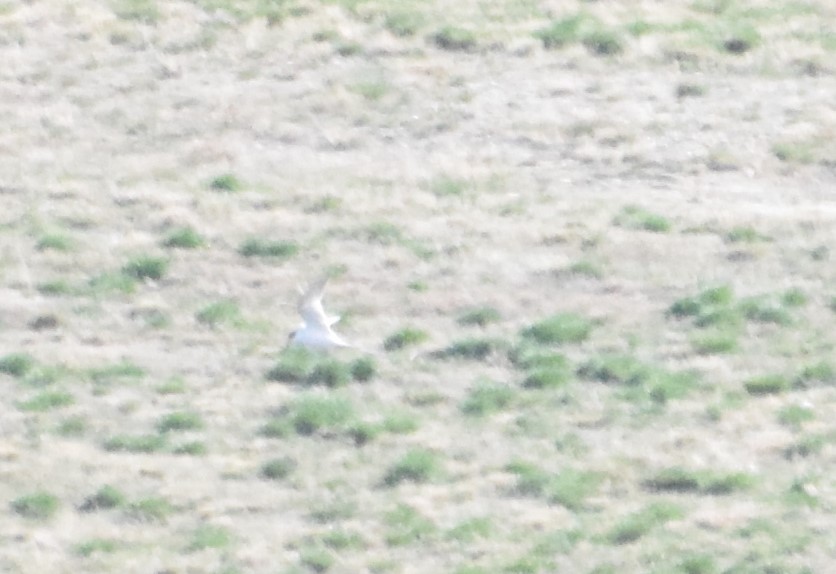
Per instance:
{"type": "Point", "coordinates": [315, 332]}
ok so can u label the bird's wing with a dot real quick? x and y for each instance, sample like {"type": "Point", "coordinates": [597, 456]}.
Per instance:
{"type": "Point", "coordinates": [310, 305]}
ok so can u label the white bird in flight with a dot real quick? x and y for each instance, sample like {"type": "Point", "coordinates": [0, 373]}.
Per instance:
{"type": "Point", "coordinates": [315, 332]}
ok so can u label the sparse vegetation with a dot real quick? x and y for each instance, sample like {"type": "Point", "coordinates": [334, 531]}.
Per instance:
{"type": "Point", "coordinates": [278, 249]}
{"type": "Point", "coordinates": [38, 505]}
{"type": "Point", "coordinates": [406, 525]}
{"type": "Point", "coordinates": [605, 224]}
{"type": "Point", "coordinates": [47, 400]}
{"type": "Point", "coordinates": [559, 329]}
{"type": "Point", "coordinates": [153, 509]}
{"type": "Point", "coordinates": [486, 398]}
{"type": "Point", "coordinates": [183, 238]}
{"type": "Point", "coordinates": [225, 312]}
{"type": "Point", "coordinates": [638, 524]}
{"type": "Point", "coordinates": [105, 498]}
{"type": "Point", "coordinates": [226, 182]}
{"type": "Point", "coordinates": [16, 364]}
{"type": "Point", "coordinates": [208, 536]}
{"type": "Point", "coordinates": [54, 242]}
{"type": "Point", "coordinates": [417, 465]}
{"type": "Point", "coordinates": [635, 217]}
{"type": "Point", "coordinates": [180, 421]}
{"type": "Point", "coordinates": [568, 488]}
{"type": "Point", "coordinates": [766, 385]}
{"type": "Point", "coordinates": [97, 545]}
{"type": "Point", "coordinates": [405, 337]}
{"type": "Point", "coordinates": [312, 413]}
{"type": "Point", "coordinates": [454, 38]}
{"type": "Point", "coordinates": [678, 479]}
{"type": "Point", "coordinates": [146, 443]}
{"type": "Point", "coordinates": [146, 267]}
{"type": "Point", "coordinates": [474, 348]}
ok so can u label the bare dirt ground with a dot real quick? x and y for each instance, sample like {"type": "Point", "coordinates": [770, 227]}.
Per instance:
{"type": "Point", "coordinates": [433, 177]}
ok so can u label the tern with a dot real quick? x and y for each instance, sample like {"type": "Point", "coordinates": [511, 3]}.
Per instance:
{"type": "Point", "coordinates": [316, 331]}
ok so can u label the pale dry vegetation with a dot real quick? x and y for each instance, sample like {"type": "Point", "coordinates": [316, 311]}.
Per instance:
{"type": "Point", "coordinates": [589, 242]}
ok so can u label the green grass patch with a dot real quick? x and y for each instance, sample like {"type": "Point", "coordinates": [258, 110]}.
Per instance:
{"type": "Point", "coordinates": [55, 287]}
{"type": "Point", "coordinates": [568, 488]}
{"type": "Point", "coordinates": [111, 282]}
{"type": "Point", "coordinates": [316, 558]}
{"type": "Point", "coordinates": [404, 337]}
{"type": "Point", "coordinates": [330, 372]}
{"type": "Point", "coordinates": [146, 267]}
{"type": "Point", "coordinates": [689, 90]}
{"type": "Point", "coordinates": [73, 426]}
{"type": "Point", "coordinates": [795, 415]}
{"type": "Point", "coordinates": [417, 465]}
{"type": "Point", "coordinates": [16, 364]}
{"type": "Point", "coordinates": [209, 536]}
{"type": "Point", "coordinates": [97, 546]}
{"type": "Point", "coordinates": [470, 530]}
{"type": "Point", "coordinates": [338, 539]}
{"type": "Point", "coordinates": [472, 348]}
{"type": "Point", "coordinates": [300, 365]}
{"type": "Point", "coordinates": [745, 234]}
{"type": "Point", "coordinates": [146, 443]}
{"type": "Point", "coordinates": [766, 385]}
{"type": "Point", "coordinates": [563, 32]}
{"type": "Point", "coordinates": [603, 42]}
{"type": "Point", "coordinates": [400, 423]}
{"type": "Point", "coordinates": [190, 448]}
{"type": "Point", "coordinates": [47, 400]}
{"type": "Point", "coordinates": [715, 341]}
{"type": "Point", "coordinates": [637, 524]}
{"type": "Point", "coordinates": [110, 375]}
{"type": "Point", "coordinates": [793, 297]}
{"type": "Point", "coordinates": [808, 445]}
{"type": "Point", "coordinates": [224, 312]}
{"type": "Point", "coordinates": [707, 301]}
{"type": "Point", "coordinates": [363, 369]}
{"type": "Point", "coordinates": [54, 242]}
{"type": "Point", "coordinates": [226, 182]}
{"type": "Point", "coordinates": [586, 268]}
{"type": "Point", "coordinates": [152, 509]}
{"type": "Point", "coordinates": [278, 468]}
{"type": "Point", "coordinates": [105, 498]}
{"type": "Point", "coordinates": [145, 11]}
{"type": "Point", "coordinates": [798, 494]}
{"type": "Point", "coordinates": [447, 186]}
{"type": "Point", "coordinates": [454, 38]}
{"type": "Point", "coordinates": [479, 316]}
{"type": "Point", "coordinates": [635, 217]}
{"type": "Point", "coordinates": [173, 386]}
{"type": "Point", "coordinates": [795, 152]}
{"type": "Point", "coordinates": [821, 372]}
{"type": "Point", "coordinates": [486, 398]}
{"type": "Point", "coordinates": [313, 413]}
{"type": "Point", "coordinates": [180, 421]}
{"type": "Point", "coordinates": [271, 248]}
{"type": "Point", "coordinates": [548, 376]}
{"type": "Point", "coordinates": [404, 23]}
{"type": "Point", "coordinates": [405, 525]}
{"type": "Point", "coordinates": [679, 479]}
{"type": "Point", "coordinates": [644, 381]}
{"type": "Point", "coordinates": [39, 505]}
{"type": "Point", "coordinates": [765, 310]}
{"type": "Point", "coordinates": [560, 328]}
{"type": "Point", "coordinates": [183, 238]}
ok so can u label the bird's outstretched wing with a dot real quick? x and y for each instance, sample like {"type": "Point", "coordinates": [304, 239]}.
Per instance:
{"type": "Point", "coordinates": [310, 306]}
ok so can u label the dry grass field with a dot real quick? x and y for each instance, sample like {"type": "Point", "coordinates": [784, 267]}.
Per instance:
{"type": "Point", "coordinates": [590, 242]}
